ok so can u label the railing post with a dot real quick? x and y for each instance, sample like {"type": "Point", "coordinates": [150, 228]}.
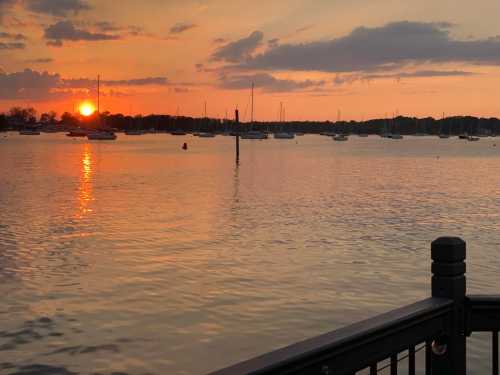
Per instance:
{"type": "Point", "coordinates": [448, 281]}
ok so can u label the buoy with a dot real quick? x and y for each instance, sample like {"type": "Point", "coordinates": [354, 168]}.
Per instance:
{"type": "Point", "coordinates": [185, 146]}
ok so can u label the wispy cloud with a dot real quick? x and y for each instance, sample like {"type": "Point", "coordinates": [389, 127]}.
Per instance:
{"type": "Point", "coordinates": [66, 31]}
{"type": "Point", "coordinates": [12, 45]}
{"type": "Point", "coordinates": [181, 28]}
{"type": "Point", "coordinates": [266, 82]}
{"type": "Point", "coordinates": [33, 85]}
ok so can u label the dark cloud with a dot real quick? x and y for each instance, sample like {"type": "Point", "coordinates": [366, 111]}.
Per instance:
{"type": "Point", "coordinates": [267, 82]}
{"type": "Point", "coordinates": [65, 30]}
{"type": "Point", "coordinates": [5, 35]}
{"type": "Point", "coordinates": [28, 84]}
{"type": "Point", "coordinates": [12, 45]}
{"type": "Point", "coordinates": [58, 8]}
{"type": "Point", "coordinates": [380, 48]}
{"type": "Point", "coordinates": [239, 50]}
{"type": "Point", "coordinates": [33, 85]}
{"type": "Point", "coordinates": [181, 27]}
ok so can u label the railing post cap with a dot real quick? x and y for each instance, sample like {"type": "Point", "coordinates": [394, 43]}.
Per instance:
{"type": "Point", "coordinates": [448, 249]}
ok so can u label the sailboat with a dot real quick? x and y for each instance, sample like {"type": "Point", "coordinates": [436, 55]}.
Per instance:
{"type": "Point", "coordinates": [395, 135]}
{"type": "Point", "coordinates": [253, 134]}
{"type": "Point", "coordinates": [281, 134]}
{"type": "Point", "coordinates": [441, 134]}
{"type": "Point", "coordinates": [100, 135]}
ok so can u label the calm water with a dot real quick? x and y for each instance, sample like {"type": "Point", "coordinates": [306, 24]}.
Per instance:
{"type": "Point", "coordinates": [137, 257]}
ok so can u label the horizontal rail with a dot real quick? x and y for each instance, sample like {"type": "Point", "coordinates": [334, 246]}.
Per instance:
{"type": "Point", "coordinates": [357, 346]}
{"type": "Point", "coordinates": [483, 313]}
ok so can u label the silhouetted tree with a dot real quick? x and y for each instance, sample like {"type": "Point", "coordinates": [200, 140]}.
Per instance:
{"type": "Point", "coordinates": [69, 120]}
{"type": "Point", "coordinates": [3, 122]}
{"type": "Point", "coordinates": [22, 116]}
{"type": "Point", "coordinates": [48, 118]}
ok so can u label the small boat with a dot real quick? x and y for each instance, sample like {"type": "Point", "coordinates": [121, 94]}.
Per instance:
{"type": "Point", "coordinates": [29, 132]}
{"type": "Point", "coordinates": [102, 136]}
{"type": "Point", "coordinates": [473, 139]}
{"type": "Point", "coordinates": [77, 133]}
{"type": "Point", "coordinates": [283, 135]}
{"type": "Point", "coordinates": [444, 136]}
{"type": "Point", "coordinates": [396, 136]}
{"type": "Point", "coordinates": [178, 132]}
{"type": "Point", "coordinates": [206, 135]}
{"type": "Point", "coordinates": [341, 138]}
{"type": "Point", "coordinates": [463, 136]}
{"type": "Point", "coordinates": [254, 134]}
{"type": "Point", "coordinates": [299, 134]}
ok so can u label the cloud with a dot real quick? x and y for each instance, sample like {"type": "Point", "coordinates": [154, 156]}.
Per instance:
{"type": "Point", "coordinates": [273, 43]}
{"type": "Point", "coordinates": [5, 6]}
{"type": "Point", "coordinates": [181, 27]}
{"type": "Point", "coordinates": [86, 83]}
{"type": "Point", "coordinates": [33, 85]}
{"type": "Point", "coordinates": [28, 84]}
{"type": "Point", "coordinates": [239, 50]}
{"type": "Point", "coordinates": [380, 48]}
{"type": "Point", "coordinates": [419, 74]}
{"type": "Point", "coordinates": [12, 45]}
{"type": "Point", "coordinates": [341, 79]}
{"type": "Point", "coordinates": [59, 8]}
{"type": "Point", "coordinates": [39, 61]}
{"type": "Point", "coordinates": [267, 82]}
{"type": "Point", "coordinates": [65, 30]}
{"type": "Point", "coordinates": [219, 41]}
{"type": "Point", "coordinates": [4, 35]}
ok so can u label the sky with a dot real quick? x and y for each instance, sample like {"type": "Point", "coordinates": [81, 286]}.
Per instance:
{"type": "Point", "coordinates": [323, 59]}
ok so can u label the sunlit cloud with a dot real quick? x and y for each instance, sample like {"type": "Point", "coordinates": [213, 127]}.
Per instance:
{"type": "Point", "coordinates": [379, 48]}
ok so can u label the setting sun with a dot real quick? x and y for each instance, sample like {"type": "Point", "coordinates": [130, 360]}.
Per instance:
{"type": "Point", "coordinates": [87, 109]}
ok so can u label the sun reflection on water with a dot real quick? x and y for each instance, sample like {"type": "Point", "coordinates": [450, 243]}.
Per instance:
{"type": "Point", "coordinates": [85, 195]}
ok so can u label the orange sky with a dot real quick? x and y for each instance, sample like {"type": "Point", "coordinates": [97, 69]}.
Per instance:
{"type": "Point", "coordinates": [363, 58]}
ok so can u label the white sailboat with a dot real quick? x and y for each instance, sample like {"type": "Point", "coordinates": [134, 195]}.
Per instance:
{"type": "Point", "coordinates": [100, 134]}
{"type": "Point", "coordinates": [281, 134]}
{"type": "Point", "coordinates": [253, 134]}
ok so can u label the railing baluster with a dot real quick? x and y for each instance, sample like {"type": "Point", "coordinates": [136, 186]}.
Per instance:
{"type": "Point", "coordinates": [428, 358]}
{"type": "Point", "coordinates": [411, 361]}
{"type": "Point", "coordinates": [495, 352]}
{"type": "Point", "coordinates": [394, 364]}
{"type": "Point", "coordinates": [373, 369]}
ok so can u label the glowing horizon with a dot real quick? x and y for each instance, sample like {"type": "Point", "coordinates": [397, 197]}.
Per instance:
{"type": "Point", "coordinates": [362, 60]}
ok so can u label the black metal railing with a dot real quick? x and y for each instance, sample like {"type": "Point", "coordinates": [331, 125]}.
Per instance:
{"type": "Point", "coordinates": [439, 324]}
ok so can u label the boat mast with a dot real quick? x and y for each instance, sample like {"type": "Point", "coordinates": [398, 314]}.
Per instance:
{"type": "Point", "coordinates": [98, 92]}
{"type": "Point", "coordinates": [251, 115]}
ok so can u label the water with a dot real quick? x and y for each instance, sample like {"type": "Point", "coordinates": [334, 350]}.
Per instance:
{"type": "Point", "coordinates": [137, 257]}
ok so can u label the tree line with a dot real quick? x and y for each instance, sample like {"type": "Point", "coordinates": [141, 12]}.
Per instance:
{"type": "Point", "coordinates": [19, 118]}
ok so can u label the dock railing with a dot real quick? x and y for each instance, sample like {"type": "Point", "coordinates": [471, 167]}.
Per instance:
{"type": "Point", "coordinates": [440, 324]}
